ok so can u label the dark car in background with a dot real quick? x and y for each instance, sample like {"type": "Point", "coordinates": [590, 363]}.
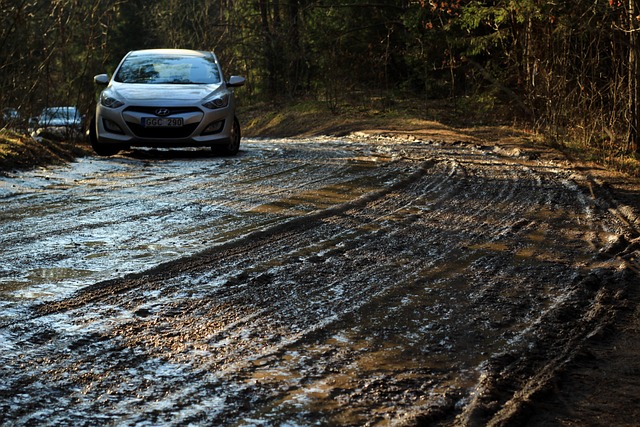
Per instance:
{"type": "Point", "coordinates": [10, 118]}
{"type": "Point", "coordinates": [166, 98]}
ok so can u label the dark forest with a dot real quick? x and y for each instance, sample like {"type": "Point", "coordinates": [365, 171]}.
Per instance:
{"type": "Point", "coordinates": [567, 69]}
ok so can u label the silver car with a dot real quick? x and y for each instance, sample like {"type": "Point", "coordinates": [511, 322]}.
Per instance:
{"type": "Point", "coordinates": [64, 118]}
{"type": "Point", "coordinates": [166, 98]}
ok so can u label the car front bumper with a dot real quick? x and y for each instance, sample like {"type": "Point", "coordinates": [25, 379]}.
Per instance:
{"type": "Point", "coordinates": [201, 128]}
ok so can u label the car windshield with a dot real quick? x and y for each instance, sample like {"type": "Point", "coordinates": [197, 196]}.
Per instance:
{"type": "Point", "coordinates": [59, 113]}
{"type": "Point", "coordinates": [162, 69]}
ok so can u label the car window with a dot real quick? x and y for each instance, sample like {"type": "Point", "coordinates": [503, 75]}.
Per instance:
{"type": "Point", "coordinates": [59, 113]}
{"type": "Point", "coordinates": [162, 69]}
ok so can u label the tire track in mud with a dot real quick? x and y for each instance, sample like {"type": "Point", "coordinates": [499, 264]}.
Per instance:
{"type": "Point", "coordinates": [243, 251]}
{"type": "Point", "coordinates": [404, 304]}
{"type": "Point", "coordinates": [76, 221]}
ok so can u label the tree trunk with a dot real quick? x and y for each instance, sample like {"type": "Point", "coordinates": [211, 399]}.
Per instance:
{"type": "Point", "coordinates": [269, 49]}
{"type": "Point", "coordinates": [634, 77]}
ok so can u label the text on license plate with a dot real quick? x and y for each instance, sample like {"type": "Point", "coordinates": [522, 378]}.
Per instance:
{"type": "Point", "coordinates": [162, 122]}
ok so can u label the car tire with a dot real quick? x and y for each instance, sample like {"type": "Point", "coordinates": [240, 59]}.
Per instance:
{"type": "Point", "coordinates": [232, 148]}
{"type": "Point", "coordinates": [100, 149]}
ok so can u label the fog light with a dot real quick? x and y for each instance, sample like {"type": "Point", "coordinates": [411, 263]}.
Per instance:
{"type": "Point", "coordinates": [112, 126]}
{"type": "Point", "coordinates": [214, 127]}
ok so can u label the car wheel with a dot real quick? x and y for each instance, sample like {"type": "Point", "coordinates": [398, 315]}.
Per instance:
{"type": "Point", "coordinates": [232, 148]}
{"type": "Point", "coordinates": [100, 149]}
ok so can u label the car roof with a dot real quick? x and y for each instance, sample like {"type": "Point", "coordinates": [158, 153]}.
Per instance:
{"type": "Point", "coordinates": [180, 52]}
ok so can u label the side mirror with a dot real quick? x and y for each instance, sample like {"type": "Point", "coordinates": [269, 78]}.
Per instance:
{"type": "Point", "coordinates": [101, 79]}
{"type": "Point", "coordinates": [236, 81]}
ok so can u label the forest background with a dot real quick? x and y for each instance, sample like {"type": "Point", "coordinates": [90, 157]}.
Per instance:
{"type": "Point", "coordinates": [568, 70]}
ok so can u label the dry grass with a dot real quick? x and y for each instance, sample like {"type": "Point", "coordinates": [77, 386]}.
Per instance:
{"type": "Point", "coordinates": [442, 120]}
{"type": "Point", "coordinates": [18, 151]}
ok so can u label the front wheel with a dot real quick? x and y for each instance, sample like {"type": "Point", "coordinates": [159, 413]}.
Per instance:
{"type": "Point", "coordinates": [232, 148]}
{"type": "Point", "coordinates": [100, 149]}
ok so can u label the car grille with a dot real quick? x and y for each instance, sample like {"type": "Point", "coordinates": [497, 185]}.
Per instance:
{"type": "Point", "coordinates": [162, 133]}
{"type": "Point", "coordinates": [172, 110]}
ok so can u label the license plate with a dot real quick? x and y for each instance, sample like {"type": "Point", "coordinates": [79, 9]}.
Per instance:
{"type": "Point", "coordinates": [162, 122]}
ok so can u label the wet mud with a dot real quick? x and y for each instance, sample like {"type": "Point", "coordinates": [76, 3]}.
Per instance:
{"type": "Point", "coordinates": [306, 282]}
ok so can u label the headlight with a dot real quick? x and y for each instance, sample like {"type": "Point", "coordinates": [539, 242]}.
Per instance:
{"type": "Point", "coordinates": [110, 102]}
{"type": "Point", "coordinates": [217, 102]}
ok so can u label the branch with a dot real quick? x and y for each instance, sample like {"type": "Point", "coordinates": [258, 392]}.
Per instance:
{"type": "Point", "coordinates": [511, 94]}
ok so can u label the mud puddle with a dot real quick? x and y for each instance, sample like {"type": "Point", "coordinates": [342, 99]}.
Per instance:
{"type": "Point", "coordinates": [306, 282]}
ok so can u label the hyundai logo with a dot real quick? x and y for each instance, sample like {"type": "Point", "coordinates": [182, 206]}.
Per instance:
{"type": "Point", "coordinates": [163, 112]}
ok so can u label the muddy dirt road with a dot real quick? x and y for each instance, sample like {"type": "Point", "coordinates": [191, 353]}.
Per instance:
{"type": "Point", "coordinates": [305, 282]}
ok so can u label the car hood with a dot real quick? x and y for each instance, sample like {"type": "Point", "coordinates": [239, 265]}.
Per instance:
{"type": "Point", "coordinates": [155, 92]}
